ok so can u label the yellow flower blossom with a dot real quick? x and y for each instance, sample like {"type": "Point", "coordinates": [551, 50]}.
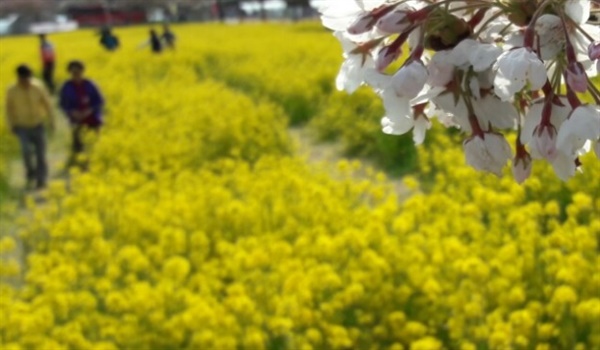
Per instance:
{"type": "Point", "coordinates": [564, 295]}
{"type": "Point", "coordinates": [7, 244]}
{"type": "Point", "coordinates": [427, 343]}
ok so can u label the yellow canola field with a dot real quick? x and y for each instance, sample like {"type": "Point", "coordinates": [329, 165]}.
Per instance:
{"type": "Point", "coordinates": [197, 227]}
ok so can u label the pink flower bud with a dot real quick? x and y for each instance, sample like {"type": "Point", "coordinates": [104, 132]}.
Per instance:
{"type": "Point", "coordinates": [545, 141]}
{"type": "Point", "coordinates": [362, 24]}
{"type": "Point", "coordinates": [594, 50]}
{"type": "Point", "coordinates": [522, 165]}
{"type": "Point", "coordinates": [576, 77]}
{"type": "Point", "coordinates": [386, 56]}
{"type": "Point", "coordinates": [394, 22]}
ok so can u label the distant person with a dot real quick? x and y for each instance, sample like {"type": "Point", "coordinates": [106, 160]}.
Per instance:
{"type": "Point", "coordinates": [82, 103]}
{"type": "Point", "coordinates": [154, 42]}
{"type": "Point", "coordinates": [168, 37]}
{"type": "Point", "coordinates": [48, 62]}
{"type": "Point", "coordinates": [109, 40]}
{"type": "Point", "coordinates": [28, 108]}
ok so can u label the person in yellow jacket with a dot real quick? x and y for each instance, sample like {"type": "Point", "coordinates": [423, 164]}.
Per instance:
{"type": "Point", "coordinates": [28, 108]}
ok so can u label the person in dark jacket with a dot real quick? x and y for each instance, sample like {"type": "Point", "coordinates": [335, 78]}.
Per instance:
{"type": "Point", "coordinates": [155, 43]}
{"type": "Point", "coordinates": [82, 103]}
{"type": "Point", "coordinates": [168, 37]}
{"type": "Point", "coordinates": [109, 40]}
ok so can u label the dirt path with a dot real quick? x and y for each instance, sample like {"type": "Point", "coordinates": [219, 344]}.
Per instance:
{"type": "Point", "coordinates": [13, 209]}
{"type": "Point", "coordinates": [330, 153]}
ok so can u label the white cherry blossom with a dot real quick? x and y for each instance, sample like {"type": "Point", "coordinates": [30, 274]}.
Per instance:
{"type": "Point", "coordinates": [483, 56]}
{"type": "Point", "coordinates": [487, 71]}
{"type": "Point", "coordinates": [377, 80]}
{"type": "Point", "coordinates": [486, 79]}
{"type": "Point", "coordinates": [581, 44]}
{"type": "Point", "coordinates": [410, 79]}
{"type": "Point", "coordinates": [362, 24]}
{"type": "Point", "coordinates": [490, 152]}
{"type": "Point", "coordinates": [421, 125]}
{"type": "Point", "coordinates": [394, 22]}
{"type": "Point", "coordinates": [350, 77]}
{"type": "Point", "coordinates": [542, 138]}
{"type": "Point", "coordinates": [578, 10]}
{"type": "Point", "coordinates": [369, 5]}
{"type": "Point", "coordinates": [515, 69]}
{"type": "Point", "coordinates": [398, 117]}
{"type": "Point", "coordinates": [549, 28]}
{"type": "Point", "coordinates": [339, 15]}
{"type": "Point", "coordinates": [494, 30]}
{"type": "Point", "coordinates": [582, 125]}
{"type": "Point", "coordinates": [445, 118]}
{"type": "Point", "coordinates": [441, 71]}
{"type": "Point", "coordinates": [460, 55]}
{"type": "Point", "coordinates": [559, 113]}
{"type": "Point", "coordinates": [475, 87]}
{"type": "Point", "coordinates": [470, 53]}
{"type": "Point", "coordinates": [490, 110]}
{"type": "Point", "coordinates": [564, 166]}
{"type": "Point", "coordinates": [522, 168]}
{"type": "Point", "coordinates": [352, 72]}
{"type": "Point", "coordinates": [456, 108]}
{"type": "Point", "coordinates": [552, 40]}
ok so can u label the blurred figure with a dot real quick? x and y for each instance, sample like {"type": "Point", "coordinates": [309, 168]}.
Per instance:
{"type": "Point", "coordinates": [168, 37]}
{"type": "Point", "coordinates": [48, 62]}
{"type": "Point", "coordinates": [155, 43]}
{"type": "Point", "coordinates": [108, 39]}
{"type": "Point", "coordinates": [28, 107]}
{"type": "Point", "coordinates": [82, 103]}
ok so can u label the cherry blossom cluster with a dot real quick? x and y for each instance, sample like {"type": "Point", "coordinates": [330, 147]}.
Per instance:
{"type": "Point", "coordinates": [484, 66]}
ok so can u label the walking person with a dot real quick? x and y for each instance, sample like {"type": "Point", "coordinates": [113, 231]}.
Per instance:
{"type": "Point", "coordinates": [109, 40]}
{"type": "Point", "coordinates": [168, 37]}
{"type": "Point", "coordinates": [154, 42]}
{"type": "Point", "coordinates": [48, 62]}
{"type": "Point", "coordinates": [28, 108]}
{"type": "Point", "coordinates": [82, 103]}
